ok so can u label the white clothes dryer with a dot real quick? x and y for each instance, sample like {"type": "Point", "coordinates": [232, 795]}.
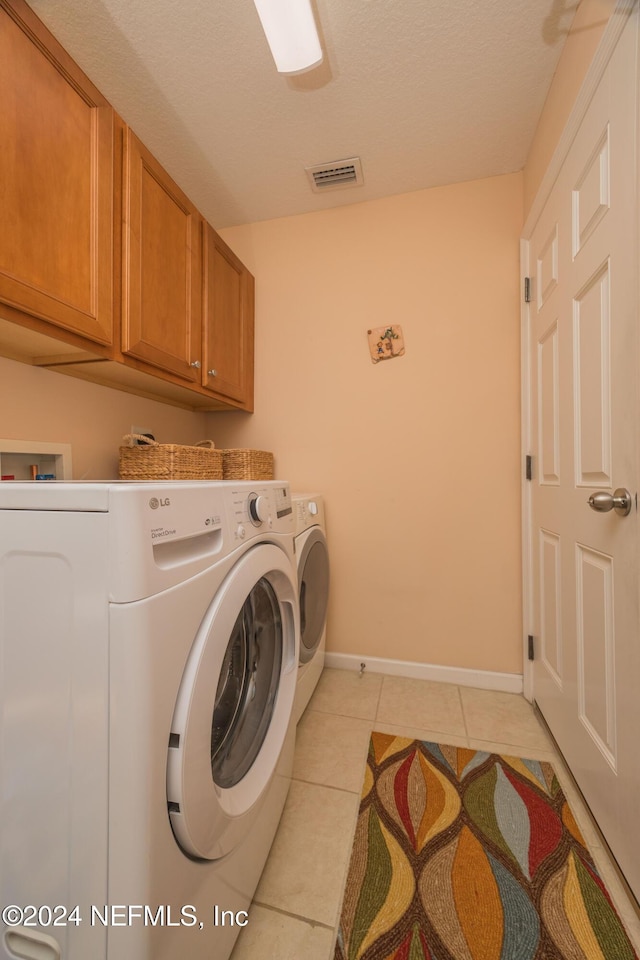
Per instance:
{"type": "Point", "coordinates": [312, 561]}
{"type": "Point", "coordinates": [149, 641]}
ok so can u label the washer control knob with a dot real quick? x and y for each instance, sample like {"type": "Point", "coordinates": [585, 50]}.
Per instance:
{"type": "Point", "coordinates": [258, 509]}
{"type": "Point", "coordinates": [313, 508]}
{"type": "Point", "coordinates": [241, 532]}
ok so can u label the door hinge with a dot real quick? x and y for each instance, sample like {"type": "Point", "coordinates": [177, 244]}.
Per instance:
{"type": "Point", "coordinates": [527, 289]}
{"type": "Point", "coordinates": [530, 647]}
{"type": "Point", "coordinates": [528, 467]}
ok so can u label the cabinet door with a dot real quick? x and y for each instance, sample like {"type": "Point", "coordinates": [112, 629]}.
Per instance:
{"type": "Point", "coordinates": [228, 322]}
{"type": "Point", "coordinates": [56, 182]}
{"type": "Point", "coordinates": [161, 320]}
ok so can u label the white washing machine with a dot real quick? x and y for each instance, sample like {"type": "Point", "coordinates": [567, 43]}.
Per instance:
{"type": "Point", "coordinates": [312, 561]}
{"type": "Point", "coordinates": [148, 638]}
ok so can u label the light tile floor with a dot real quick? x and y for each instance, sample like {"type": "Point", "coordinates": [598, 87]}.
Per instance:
{"type": "Point", "coordinates": [297, 904]}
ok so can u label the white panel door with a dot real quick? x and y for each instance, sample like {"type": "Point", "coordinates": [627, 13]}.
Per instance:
{"type": "Point", "coordinates": [583, 355]}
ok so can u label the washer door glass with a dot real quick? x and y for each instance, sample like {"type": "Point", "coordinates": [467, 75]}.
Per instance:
{"type": "Point", "coordinates": [313, 594]}
{"type": "Point", "coordinates": [232, 714]}
{"type": "Point", "coordinates": [247, 687]}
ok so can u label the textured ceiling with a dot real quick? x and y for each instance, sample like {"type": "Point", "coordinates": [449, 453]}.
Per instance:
{"type": "Point", "coordinates": [426, 92]}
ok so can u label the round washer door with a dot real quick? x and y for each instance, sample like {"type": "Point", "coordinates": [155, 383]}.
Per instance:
{"type": "Point", "coordinates": [313, 580]}
{"type": "Point", "coordinates": [234, 705]}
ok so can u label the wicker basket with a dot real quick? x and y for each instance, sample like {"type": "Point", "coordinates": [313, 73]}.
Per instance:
{"type": "Point", "coordinates": [247, 465]}
{"type": "Point", "coordinates": [168, 461]}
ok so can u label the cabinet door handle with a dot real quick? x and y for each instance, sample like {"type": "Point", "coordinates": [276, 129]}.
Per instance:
{"type": "Point", "coordinates": [195, 363]}
{"type": "Point", "coordinates": [212, 373]}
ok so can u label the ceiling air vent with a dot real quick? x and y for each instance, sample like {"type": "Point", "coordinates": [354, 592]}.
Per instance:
{"type": "Point", "coordinates": [335, 175]}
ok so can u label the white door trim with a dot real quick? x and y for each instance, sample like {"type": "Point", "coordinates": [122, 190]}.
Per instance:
{"type": "Point", "coordinates": [610, 37]}
{"type": "Point", "coordinates": [525, 405]}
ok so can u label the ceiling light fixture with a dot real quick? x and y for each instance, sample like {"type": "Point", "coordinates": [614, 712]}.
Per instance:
{"type": "Point", "coordinates": [291, 33]}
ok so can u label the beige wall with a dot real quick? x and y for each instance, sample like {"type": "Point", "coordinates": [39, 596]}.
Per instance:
{"type": "Point", "coordinates": [585, 33]}
{"type": "Point", "coordinates": [38, 404]}
{"type": "Point", "coordinates": [418, 457]}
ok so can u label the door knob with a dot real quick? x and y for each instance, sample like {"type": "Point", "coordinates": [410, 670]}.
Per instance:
{"type": "Point", "coordinates": [619, 500]}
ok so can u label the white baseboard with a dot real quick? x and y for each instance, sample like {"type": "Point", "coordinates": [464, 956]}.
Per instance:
{"type": "Point", "coordinates": [483, 679]}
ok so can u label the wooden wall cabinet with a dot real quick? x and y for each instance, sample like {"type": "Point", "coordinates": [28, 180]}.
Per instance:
{"type": "Point", "coordinates": [161, 309]}
{"type": "Point", "coordinates": [228, 320]}
{"type": "Point", "coordinates": [56, 184]}
{"type": "Point", "coordinates": [108, 272]}
{"type": "Point", "coordinates": [188, 301]}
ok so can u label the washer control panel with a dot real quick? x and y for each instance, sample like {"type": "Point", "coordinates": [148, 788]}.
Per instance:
{"type": "Point", "coordinates": [308, 511]}
{"type": "Point", "coordinates": [259, 507]}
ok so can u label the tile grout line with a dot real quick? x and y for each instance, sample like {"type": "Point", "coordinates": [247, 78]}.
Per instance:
{"type": "Point", "coordinates": [328, 786]}
{"type": "Point", "coordinates": [345, 716]}
{"type": "Point", "coordinates": [375, 716]}
{"type": "Point", "coordinates": [294, 916]}
{"type": "Point", "coordinates": [464, 718]}
{"type": "Point", "coordinates": [504, 746]}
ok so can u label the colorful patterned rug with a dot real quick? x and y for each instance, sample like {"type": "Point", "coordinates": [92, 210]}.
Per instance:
{"type": "Point", "coordinates": [466, 855]}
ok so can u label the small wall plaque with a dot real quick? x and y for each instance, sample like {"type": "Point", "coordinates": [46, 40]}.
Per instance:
{"type": "Point", "coordinates": [385, 343]}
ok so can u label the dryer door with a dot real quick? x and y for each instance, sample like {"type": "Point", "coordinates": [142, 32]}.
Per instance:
{"type": "Point", "coordinates": [313, 579]}
{"type": "Point", "coordinates": [234, 705]}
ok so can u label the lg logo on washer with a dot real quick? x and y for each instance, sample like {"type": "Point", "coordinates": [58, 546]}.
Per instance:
{"type": "Point", "coordinates": [154, 503]}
